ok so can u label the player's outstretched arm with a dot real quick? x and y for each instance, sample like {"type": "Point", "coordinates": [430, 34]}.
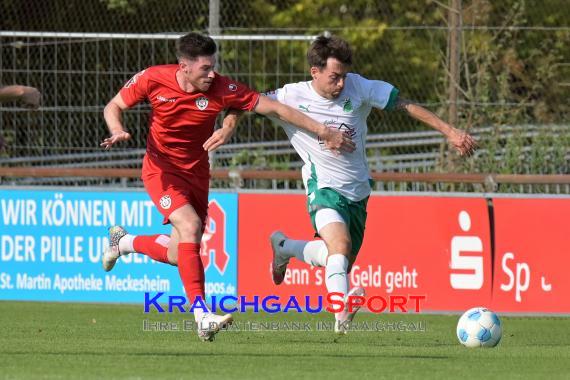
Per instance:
{"type": "Point", "coordinates": [460, 140]}
{"type": "Point", "coordinates": [224, 134]}
{"type": "Point", "coordinates": [334, 139]}
{"type": "Point", "coordinates": [28, 96]}
{"type": "Point", "coordinates": [112, 113]}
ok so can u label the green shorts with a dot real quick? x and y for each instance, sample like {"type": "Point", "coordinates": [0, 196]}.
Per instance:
{"type": "Point", "coordinates": [353, 213]}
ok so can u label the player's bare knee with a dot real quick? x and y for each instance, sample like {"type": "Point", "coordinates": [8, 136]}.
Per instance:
{"type": "Point", "coordinates": [190, 230]}
{"type": "Point", "coordinates": [340, 246]}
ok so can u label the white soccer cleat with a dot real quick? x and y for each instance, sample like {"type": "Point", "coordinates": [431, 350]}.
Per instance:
{"type": "Point", "coordinates": [112, 253]}
{"type": "Point", "coordinates": [279, 264]}
{"type": "Point", "coordinates": [211, 324]}
{"type": "Point", "coordinates": [342, 324]}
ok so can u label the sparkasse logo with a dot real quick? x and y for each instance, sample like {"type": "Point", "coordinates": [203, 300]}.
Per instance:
{"type": "Point", "coordinates": [466, 258]}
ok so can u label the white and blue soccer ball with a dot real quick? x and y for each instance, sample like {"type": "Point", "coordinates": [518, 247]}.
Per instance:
{"type": "Point", "coordinates": [479, 327]}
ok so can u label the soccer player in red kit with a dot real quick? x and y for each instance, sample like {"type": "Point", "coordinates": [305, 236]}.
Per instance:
{"type": "Point", "coordinates": [186, 99]}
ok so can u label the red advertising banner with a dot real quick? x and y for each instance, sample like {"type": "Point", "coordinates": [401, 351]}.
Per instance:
{"type": "Point", "coordinates": [433, 246]}
{"type": "Point", "coordinates": [443, 242]}
{"type": "Point", "coordinates": [532, 255]}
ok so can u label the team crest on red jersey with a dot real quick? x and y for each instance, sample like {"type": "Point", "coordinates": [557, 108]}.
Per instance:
{"type": "Point", "coordinates": [165, 202]}
{"type": "Point", "coordinates": [202, 103]}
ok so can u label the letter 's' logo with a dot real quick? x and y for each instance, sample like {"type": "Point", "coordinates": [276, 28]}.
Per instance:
{"type": "Point", "coordinates": [466, 258]}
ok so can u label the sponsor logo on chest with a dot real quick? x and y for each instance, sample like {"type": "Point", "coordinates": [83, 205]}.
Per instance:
{"type": "Point", "coordinates": [163, 99]}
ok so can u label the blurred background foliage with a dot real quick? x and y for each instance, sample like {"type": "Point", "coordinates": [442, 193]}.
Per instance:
{"type": "Point", "coordinates": [514, 63]}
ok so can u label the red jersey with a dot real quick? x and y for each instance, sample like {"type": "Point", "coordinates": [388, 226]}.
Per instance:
{"type": "Point", "coordinates": [181, 122]}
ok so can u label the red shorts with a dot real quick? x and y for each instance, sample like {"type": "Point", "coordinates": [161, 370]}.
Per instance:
{"type": "Point", "coordinates": [171, 188]}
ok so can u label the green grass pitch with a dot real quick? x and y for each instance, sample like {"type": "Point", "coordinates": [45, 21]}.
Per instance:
{"type": "Point", "coordinates": [93, 341]}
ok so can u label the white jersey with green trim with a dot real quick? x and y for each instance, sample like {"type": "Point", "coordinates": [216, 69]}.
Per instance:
{"type": "Point", "coordinates": [346, 173]}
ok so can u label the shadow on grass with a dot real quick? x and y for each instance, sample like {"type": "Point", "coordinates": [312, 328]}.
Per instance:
{"type": "Point", "coordinates": [224, 354]}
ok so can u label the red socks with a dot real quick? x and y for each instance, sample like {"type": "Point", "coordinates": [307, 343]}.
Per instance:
{"type": "Point", "coordinates": [191, 270]}
{"type": "Point", "coordinates": [190, 264]}
{"type": "Point", "coordinates": [154, 246]}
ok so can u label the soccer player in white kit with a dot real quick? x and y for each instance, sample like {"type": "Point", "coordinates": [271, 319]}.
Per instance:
{"type": "Point", "coordinates": [337, 183]}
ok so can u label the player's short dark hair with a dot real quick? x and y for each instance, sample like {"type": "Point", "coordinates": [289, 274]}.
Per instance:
{"type": "Point", "coordinates": [194, 45]}
{"type": "Point", "coordinates": [324, 48]}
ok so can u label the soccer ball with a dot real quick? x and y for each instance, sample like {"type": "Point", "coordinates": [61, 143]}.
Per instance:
{"type": "Point", "coordinates": [479, 327]}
